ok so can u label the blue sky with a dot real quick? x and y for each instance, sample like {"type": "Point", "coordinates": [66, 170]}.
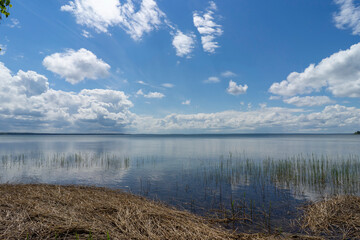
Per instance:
{"type": "Point", "coordinates": [147, 66]}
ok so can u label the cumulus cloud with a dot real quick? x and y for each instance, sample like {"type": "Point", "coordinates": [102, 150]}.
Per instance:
{"type": "Point", "coordinates": [183, 44]}
{"type": "Point", "coordinates": [308, 101]}
{"type": "Point", "coordinates": [212, 80]}
{"type": "Point", "coordinates": [28, 104]}
{"type": "Point", "coordinates": [339, 74]}
{"type": "Point", "coordinates": [228, 74]}
{"type": "Point", "coordinates": [75, 66]}
{"type": "Point", "coordinates": [208, 29]}
{"type": "Point", "coordinates": [100, 15]}
{"type": "Point", "coordinates": [275, 119]}
{"type": "Point", "coordinates": [235, 89]}
{"type": "Point", "coordinates": [348, 16]}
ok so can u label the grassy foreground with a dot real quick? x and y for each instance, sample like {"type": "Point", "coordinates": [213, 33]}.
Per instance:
{"type": "Point", "coordinates": [75, 212]}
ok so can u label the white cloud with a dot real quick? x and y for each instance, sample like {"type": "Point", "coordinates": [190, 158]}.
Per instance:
{"type": "Point", "coordinates": [186, 102]}
{"type": "Point", "coordinates": [149, 94]}
{"type": "Point", "coordinates": [235, 89]}
{"type": "Point", "coordinates": [212, 80]}
{"type": "Point", "coordinates": [140, 92]}
{"type": "Point", "coordinates": [339, 74]}
{"type": "Point", "coordinates": [100, 15]}
{"type": "Point", "coordinates": [154, 95]}
{"type": "Point", "coordinates": [274, 97]}
{"type": "Point", "coordinates": [142, 83]}
{"type": "Point", "coordinates": [348, 17]}
{"type": "Point", "coordinates": [183, 44]}
{"type": "Point", "coordinates": [168, 85]}
{"type": "Point", "coordinates": [207, 28]}
{"type": "Point", "coordinates": [3, 49]}
{"type": "Point", "coordinates": [24, 84]}
{"type": "Point", "coordinates": [14, 23]}
{"type": "Point", "coordinates": [334, 118]}
{"type": "Point", "coordinates": [228, 74]}
{"type": "Point", "coordinates": [308, 101]}
{"type": "Point", "coordinates": [28, 104]}
{"type": "Point", "coordinates": [75, 66]}
{"type": "Point", "coordinates": [86, 34]}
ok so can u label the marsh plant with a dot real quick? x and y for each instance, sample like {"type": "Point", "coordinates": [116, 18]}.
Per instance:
{"type": "Point", "coordinates": [311, 173]}
{"type": "Point", "coordinates": [66, 160]}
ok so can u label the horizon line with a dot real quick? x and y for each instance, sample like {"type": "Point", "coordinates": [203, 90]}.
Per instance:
{"type": "Point", "coordinates": [165, 134]}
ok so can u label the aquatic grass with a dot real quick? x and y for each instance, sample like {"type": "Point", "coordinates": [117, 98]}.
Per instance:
{"type": "Point", "coordinates": [66, 160]}
{"type": "Point", "coordinates": [314, 173]}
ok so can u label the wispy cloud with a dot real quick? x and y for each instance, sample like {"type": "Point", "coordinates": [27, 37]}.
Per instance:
{"type": "Point", "coordinates": [208, 29]}
{"type": "Point", "coordinates": [183, 44]}
{"type": "Point", "coordinates": [150, 94]}
{"type": "Point", "coordinates": [309, 101]}
{"type": "Point", "coordinates": [228, 74]}
{"type": "Point", "coordinates": [14, 23]}
{"type": "Point", "coordinates": [86, 34]}
{"type": "Point", "coordinates": [168, 85]}
{"type": "Point", "coordinates": [142, 83]}
{"type": "Point", "coordinates": [101, 15]}
{"type": "Point", "coordinates": [186, 102]}
{"type": "Point", "coordinates": [154, 95]}
{"type": "Point", "coordinates": [348, 16]}
{"type": "Point", "coordinates": [212, 80]}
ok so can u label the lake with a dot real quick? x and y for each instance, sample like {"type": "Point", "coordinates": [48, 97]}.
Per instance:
{"type": "Point", "coordinates": [257, 180]}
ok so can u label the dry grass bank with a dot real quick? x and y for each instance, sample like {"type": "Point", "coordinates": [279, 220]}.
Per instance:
{"type": "Point", "coordinates": [64, 212]}
{"type": "Point", "coordinates": [337, 217]}
{"type": "Point", "coordinates": [74, 212]}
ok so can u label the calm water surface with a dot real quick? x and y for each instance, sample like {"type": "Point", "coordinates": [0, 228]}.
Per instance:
{"type": "Point", "coordinates": [249, 175]}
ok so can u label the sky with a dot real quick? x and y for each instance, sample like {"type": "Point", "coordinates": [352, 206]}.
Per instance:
{"type": "Point", "coordinates": [166, 66]}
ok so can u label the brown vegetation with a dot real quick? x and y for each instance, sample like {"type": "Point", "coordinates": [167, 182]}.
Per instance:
{"type": "Point", "coordinates": [337, 217]}
{"type": "Point", "coordinates": [70, 212]}
{"type": "Point", "coordinates": [75, 212]}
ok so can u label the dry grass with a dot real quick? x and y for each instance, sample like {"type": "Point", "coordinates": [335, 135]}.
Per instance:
{"type": "Point", "coordinates": [74, 212]}
{"type": "Point", "coordinates": [337, 217]}
{"type": "Point", "coordinates": [64, 212]}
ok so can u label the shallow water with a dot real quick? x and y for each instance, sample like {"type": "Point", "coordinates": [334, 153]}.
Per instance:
{"type": "Point", "coordinates": [260, 178]}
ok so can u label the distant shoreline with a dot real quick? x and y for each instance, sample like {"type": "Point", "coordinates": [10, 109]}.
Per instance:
{"type": "Point", "coordinates": [171, 134]}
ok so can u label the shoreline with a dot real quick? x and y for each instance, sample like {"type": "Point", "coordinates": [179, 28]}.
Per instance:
{"type": "Point", "coordinates": [39, 211]}
{"type": "Point", "coordinates": [42, 211]}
